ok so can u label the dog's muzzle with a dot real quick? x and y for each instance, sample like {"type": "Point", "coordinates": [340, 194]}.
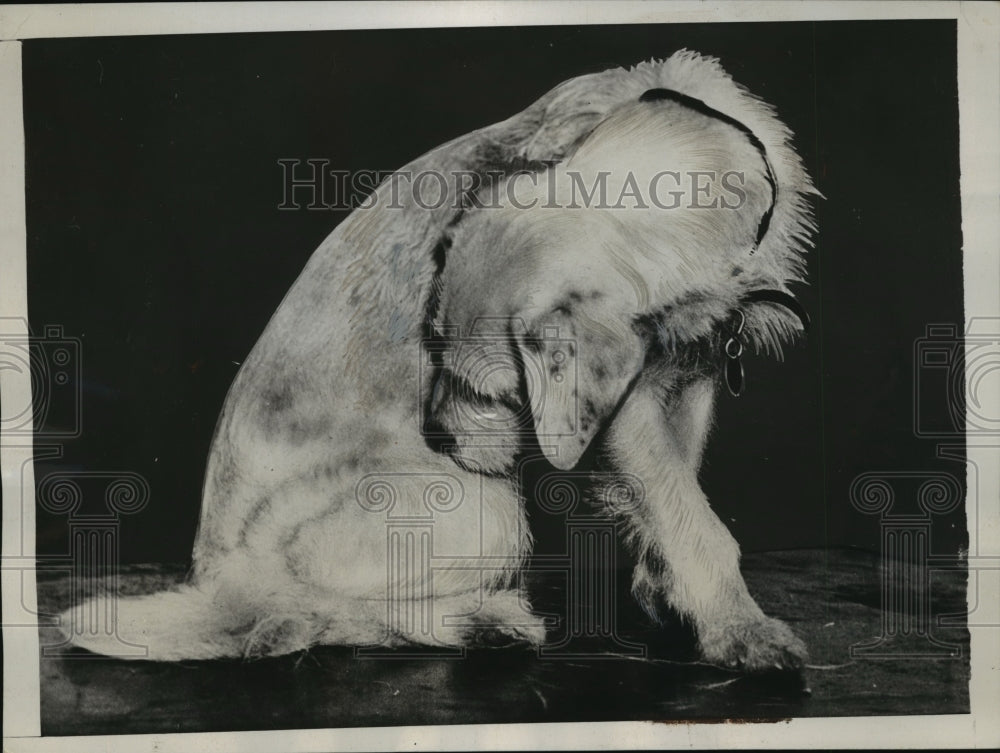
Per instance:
{"type": "Point", "coordinates": [733, 347]}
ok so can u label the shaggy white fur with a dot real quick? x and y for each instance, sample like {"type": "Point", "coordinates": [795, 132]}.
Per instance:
{"type": "Point", "coordinates": [329, 516]}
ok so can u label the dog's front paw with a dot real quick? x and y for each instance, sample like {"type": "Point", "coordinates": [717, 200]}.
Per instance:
{"type": "Point", "coordinates": [761, 644]}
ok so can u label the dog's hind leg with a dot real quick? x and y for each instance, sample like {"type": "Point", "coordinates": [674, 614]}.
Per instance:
{"type": "Point", "coordinates": [473, 598]}
{"type": "Point", "coordinates": [431, 568]}
{"type": "Point", "coordinates": [686, 555]}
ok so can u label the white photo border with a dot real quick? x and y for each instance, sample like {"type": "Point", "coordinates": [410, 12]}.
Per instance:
{"type": "Point", "coordinates": [979, 109]}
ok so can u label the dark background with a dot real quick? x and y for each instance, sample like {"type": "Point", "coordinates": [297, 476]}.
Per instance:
{"type": "Point", "coordinates": [154, 236]}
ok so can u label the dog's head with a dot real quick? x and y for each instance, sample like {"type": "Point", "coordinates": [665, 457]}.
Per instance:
{"type": "Point", "coordinates": [651, 233]}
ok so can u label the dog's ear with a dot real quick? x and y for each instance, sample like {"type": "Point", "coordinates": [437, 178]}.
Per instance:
{"type": "Point", "coordinates": [577, 369]}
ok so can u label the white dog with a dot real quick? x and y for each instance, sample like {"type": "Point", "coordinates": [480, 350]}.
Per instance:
{"type": "Point", "coordinates": [608, 324]}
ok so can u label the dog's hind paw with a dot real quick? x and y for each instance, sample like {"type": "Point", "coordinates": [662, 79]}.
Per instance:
{"type": "Point", "coordinates": [758, 645]}
{"type": "Point", "coordinates": [527, 631]}
{"type": "Point", "coordinates": [502, 620]}
{"type": "Point", "coordinates": [274, 637]}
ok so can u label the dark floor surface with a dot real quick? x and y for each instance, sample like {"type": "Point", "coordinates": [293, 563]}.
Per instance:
{"type": "Point", "coordinates": [830, 598]}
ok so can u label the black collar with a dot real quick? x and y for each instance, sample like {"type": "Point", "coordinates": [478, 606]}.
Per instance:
{"type": "Point", "coordinates": [659, 95]}
{"type": "Point", "coordinates": [733, 347]}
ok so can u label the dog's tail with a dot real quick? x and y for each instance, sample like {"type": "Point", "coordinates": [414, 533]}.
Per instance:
{"type": "Point", "coordinates": [183, 623]}
{"type": "Point", "coordinates": [205, 622]}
